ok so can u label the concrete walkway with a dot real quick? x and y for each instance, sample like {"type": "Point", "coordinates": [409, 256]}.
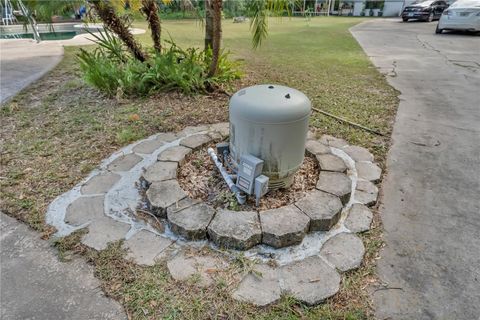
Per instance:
{"type": "Point", "coordinates": [23, 62]}
{"type": "Point", "coordinates": [431, 204]}
{"type": "Point", "coordinates": [35, 285]}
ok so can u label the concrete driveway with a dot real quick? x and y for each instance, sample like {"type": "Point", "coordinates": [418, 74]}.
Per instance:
{"type": "Point", "coordinates": [23, 62]}
{"type": "Point", "coordinates": [430, 208]}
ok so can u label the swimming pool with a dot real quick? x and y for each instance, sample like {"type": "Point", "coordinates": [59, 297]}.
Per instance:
{"type": "Point", "coordinates": [43, 35]}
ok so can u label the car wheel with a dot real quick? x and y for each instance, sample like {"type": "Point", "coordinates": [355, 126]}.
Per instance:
{"type": "Point", "coordinates": [438, 30]}
{"type": "Point", "coordinates": [405, 19]}
{"type": "Point", "coordinates": [430, 17]}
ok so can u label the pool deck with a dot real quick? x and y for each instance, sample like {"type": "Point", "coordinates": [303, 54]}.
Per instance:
{"type": "Point", "coordinates": [23, 61]}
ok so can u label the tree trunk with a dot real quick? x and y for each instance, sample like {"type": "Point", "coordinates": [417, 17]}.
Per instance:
{"type": "Point", "coordinates": [208, 24]}
{"type": "Point", "coordinates": [107, 14]}
{"type": "Point", "coordinates": [150, 10]}
{"type": "Point", "coordinates": [217, 36]}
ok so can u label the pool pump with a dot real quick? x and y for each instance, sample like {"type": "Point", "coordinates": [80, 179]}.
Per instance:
{"type": "Point", "coordinates": [268, 131]}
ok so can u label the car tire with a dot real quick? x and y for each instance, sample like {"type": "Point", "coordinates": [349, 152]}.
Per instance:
{"type": "Point", "coordinates": [430, 17]}
{"type": "Point", "coordinates": [438, 30]}
{"type": "Point", "coordinates": [405, 19]}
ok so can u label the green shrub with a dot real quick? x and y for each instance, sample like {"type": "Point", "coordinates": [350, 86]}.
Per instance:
{"type": "Point", "coordinates": [111, 69]}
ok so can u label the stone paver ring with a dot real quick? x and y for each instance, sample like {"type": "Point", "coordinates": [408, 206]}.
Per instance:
{"type": "Point", "coordinates": [312, 240]}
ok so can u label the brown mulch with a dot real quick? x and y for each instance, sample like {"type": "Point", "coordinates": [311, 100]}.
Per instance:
{"type": "Point", "coordinates": [200, 178]}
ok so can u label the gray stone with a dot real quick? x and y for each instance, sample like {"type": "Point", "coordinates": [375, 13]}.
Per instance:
{"type": "Point", "coordinates": [162, 194]}
{"type": "Point", "coordinates": [167, 136]}
{"type": "Point", "coordinates": [36, 285]}
{"type": "Point", "coordinates": [345, 251]}
{"type": "Point", "coordinates": [193, 129]}
{"type": "Point", "coordinates": [191, 223]}
{"type": "Point", "coordinates": [324, 209]}
{"type": "Point", "coordinates": [215, 136]}
{"type": "Point", "coordinates": [260, 287]}
{"type": "Point", "coordinates": [195, 141]}
{"type": "Point", "coordinates": [358, 153]}
{"type": "Point", "coordinates": [160, 171]}
{"type": "Point", "coordinates": [366, 192]}
{"type": "Point", "coordinates": [368, 171]}
{"type": "Point", "coordinates": [100, 183]}
{"type": "Point", "coordinates": [330, 162]}
{"type": "Point", "coordinates": [336, 183]}
{"type": "Point", "coordinates": [125, 162]}
{"type": "Point", "coordinates": [315, 147]}
{"type": "Point", "coordinates": [148, 146]}
{"type": "Point", "coordinates": [310, 280]}
{"type": "Point", "coordinates": [333, 142]}
{"type": "Point", "coordinates": [84, 209]}
{"type": "Point", "coordinates": [175, 154]}
{"type": "Point", "coordinates": [283, 226]}
{"type": "Point", "coordinates": [359, 218]}
{"type": "Point", "coordinates": [182, 204]}
{"type": "Point", "coordinates": [104, 230]}
{"type": "Point", "coordinates": [235, 229]}
{"type": "Point", "coordinates": [311, 135]}
{"type": "Point", "coordinates": [184, 268]}
{"type": "Point", "coordinates": [223, 128]}
{"type": "Point", "coordinates": [144, 247]}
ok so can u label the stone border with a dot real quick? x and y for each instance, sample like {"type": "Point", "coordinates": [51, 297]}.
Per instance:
{"type": "Point", "coordinates": [106, 200]}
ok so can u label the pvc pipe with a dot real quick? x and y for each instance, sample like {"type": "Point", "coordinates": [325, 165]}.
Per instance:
{"type": "Point", "coordinates": [241, 198]}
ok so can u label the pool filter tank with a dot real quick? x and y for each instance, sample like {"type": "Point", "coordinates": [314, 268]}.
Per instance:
{"type": "Point", "coordinates": [269, 122]}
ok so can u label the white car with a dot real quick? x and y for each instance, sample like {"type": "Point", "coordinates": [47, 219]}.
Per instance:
{"type": "Point", "coordinates": [461, 15]}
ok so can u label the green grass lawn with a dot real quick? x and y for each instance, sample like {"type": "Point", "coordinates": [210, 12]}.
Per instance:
{"type": "Point", "coordinates": [59, 129]}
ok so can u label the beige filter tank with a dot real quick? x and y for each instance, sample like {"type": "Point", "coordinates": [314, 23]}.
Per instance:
{"type": "Point", "coordinates": [270, 122]}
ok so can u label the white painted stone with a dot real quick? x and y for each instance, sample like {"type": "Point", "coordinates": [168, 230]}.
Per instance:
{"type": "Point", "coordinates": [260, 287]}
{"type": "Point", "coordinates": [345, 251]}
{"type": "Point", "coordinates": [144, 246]}
{"type": "Point", "coordinates": [310, 280]}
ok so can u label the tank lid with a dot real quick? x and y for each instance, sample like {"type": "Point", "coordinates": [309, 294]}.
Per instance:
{"type": "Point", "coordinates": [270, 104]}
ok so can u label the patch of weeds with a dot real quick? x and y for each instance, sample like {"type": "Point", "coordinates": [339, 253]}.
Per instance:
{"type": "Point", "coordinates": [70, 245]}
{"type": "Point", "coordinates": [129, 134]}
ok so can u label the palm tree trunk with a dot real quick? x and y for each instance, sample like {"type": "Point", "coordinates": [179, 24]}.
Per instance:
{"type": "Point", "coordinates": [150, 10]}
{"type": "Point", "coordinates": [217, 36]}
{"type": "Point", "coordinates": [208, 24]}
{"type": "Point", "coordinates": [107, 14]}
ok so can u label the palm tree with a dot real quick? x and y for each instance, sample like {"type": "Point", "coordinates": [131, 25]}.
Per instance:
{"type": "Point", "coordinates": [150, 10]}
{"type": "Point", "coordinates": [217, 35]}
{"type": "Point", "coordinates": [259, 11]}
{"type": "Point", "coordinates": [113, 22]}
{"type": "Point", "coordinates": [208, 25]}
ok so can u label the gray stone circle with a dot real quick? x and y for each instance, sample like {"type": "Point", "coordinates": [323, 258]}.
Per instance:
{"type": "Point", "coordinates": [331, 213]}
